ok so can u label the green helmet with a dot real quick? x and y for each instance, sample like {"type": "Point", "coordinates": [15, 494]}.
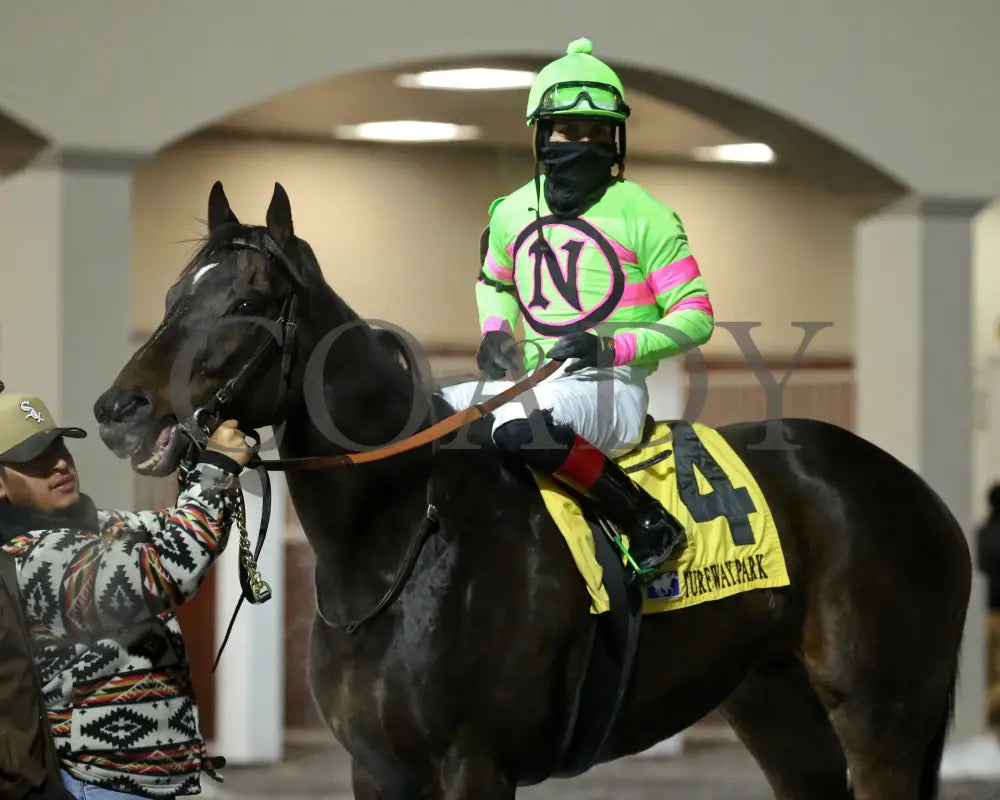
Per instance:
{"type": "Point", "coordinates": [577, 84]}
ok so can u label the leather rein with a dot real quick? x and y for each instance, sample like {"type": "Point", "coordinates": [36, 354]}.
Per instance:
{"type": "Point", "coordinates": [254, 589]}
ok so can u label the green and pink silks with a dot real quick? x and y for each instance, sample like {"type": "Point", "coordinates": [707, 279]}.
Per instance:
{"type": "Point", "coordinates": [622, 265]}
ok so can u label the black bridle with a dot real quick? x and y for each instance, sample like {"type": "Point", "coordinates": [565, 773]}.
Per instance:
{"type": "Point", "coordinates": [199, 426]}
{"type": "Point", "coordinates": [196, 427]}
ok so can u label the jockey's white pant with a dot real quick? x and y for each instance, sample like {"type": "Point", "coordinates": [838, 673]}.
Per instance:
{"type": "Point", "coordinates": [607, 407]}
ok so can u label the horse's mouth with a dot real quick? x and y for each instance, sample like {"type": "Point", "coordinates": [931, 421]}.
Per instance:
{"type": "Point", "coordinates": [159, 454]}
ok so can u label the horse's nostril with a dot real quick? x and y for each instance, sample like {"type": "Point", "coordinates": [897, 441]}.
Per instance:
{"type": "Point", "coordinates": [102, 408]}
{"type": "Point", "coordinates": [117, 406]}
{"type": "Point", "coordinates": [128, 404]}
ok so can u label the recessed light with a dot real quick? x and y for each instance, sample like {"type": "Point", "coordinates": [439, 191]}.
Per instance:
{"type": "Point", "coordinates": [405, 130]}
{"type": "Point", "coordinates": [745, 153]}
{"type": "Point", "coordinates": [470, 79]}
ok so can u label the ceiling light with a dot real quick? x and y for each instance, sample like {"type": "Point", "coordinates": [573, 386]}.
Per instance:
{"type": "Point", "coordinates": [408, 131]}
{"type": "Point", "coordinates": [746, 153]}
{"type": "Point", "coordinates": [472, 78]}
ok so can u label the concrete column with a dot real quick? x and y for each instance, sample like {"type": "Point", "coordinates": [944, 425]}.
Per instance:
{"type": "Point", "coordinates": [913, 287]}
{"type": "Point", "coordinates": [65, 296]}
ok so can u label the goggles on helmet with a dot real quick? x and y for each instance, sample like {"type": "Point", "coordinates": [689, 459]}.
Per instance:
{"type": "Point", "coordinates": [574, 94]}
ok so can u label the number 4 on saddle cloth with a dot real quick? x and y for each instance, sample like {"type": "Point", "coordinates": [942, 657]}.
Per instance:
{"type": "Point", "coordinates": [732, 543]}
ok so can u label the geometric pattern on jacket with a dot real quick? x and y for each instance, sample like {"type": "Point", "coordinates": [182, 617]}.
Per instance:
{"type": "Point", "coordinates": [100, 606]}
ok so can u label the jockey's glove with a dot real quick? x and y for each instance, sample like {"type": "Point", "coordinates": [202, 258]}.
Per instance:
{"type": "Point", "coordinates": [498, 355]}
{"type": "Point", "coordinates": [590, 350]}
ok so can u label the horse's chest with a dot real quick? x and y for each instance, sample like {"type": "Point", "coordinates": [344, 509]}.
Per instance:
{"type": "Point", "coordinates": [453, 644]}
{"type": "Point", "coordinates": [389, 681]}
{"type": "Point", "coordinates": [382, 709]}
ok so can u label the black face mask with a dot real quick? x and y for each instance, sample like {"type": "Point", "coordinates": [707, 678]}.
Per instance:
{"type": "Point", "coordinates": [576, 175]}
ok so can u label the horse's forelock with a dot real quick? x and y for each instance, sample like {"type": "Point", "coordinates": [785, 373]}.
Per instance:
{"type": "Point", "coordinates": [308, 270]}
{"type": "Point", "coordinates": [215, 239]}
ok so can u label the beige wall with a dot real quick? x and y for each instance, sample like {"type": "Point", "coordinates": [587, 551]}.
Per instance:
{"type": "Point", "coordinates": [397, 232]}
{"type": "Point", "coordinates": [986, 355]}
{"type": "Point", "coordinates": [986, 283]}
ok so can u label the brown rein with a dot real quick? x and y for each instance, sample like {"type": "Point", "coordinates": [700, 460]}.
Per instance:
{"type": "Point", "coordinates": [426, 436]}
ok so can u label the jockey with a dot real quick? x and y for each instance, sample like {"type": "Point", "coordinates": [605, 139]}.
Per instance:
{"type": "Point", "coordinates": [601, 273]}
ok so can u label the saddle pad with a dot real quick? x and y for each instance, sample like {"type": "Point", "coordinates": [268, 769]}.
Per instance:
{"type": "Point", "coordinates": [732, 542]}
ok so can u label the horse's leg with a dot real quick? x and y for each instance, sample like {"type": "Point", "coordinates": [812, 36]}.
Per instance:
{"type": "Point", "coordinates": [362, 784]}
{"type": "Point", "coordinates": [461, 778]}
{"type": "Point", "coordinates": [882, 652]}
{"type": "Point", "coordinates": [887, 681]}
{"type": "Point", "coordinates": [778, 717]}
{"type": "Point", "coordinates": [468, 777]}
{"type": "Point", "coordinates": [892, 735]}
{"type": "Point", "coordinates": [884, 576]}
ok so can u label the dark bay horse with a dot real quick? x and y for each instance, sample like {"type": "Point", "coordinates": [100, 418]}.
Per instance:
{"type": "Point", "coordinates": [462, 688]}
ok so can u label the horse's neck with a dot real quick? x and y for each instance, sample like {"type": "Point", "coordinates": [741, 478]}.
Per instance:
{"type": "Point", "coordinates": [358, 521]}
{"type": "Point", "coordinates": [364, 398]}
{"type": "Point", "coordinates": [357, 518]}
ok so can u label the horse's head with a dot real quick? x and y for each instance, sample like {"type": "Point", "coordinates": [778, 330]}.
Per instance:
{"type": "Point", "coordinates": [225, 344]}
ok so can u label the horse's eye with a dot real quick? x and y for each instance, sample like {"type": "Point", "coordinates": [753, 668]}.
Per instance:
{"type": "Point", "coordinates": [245, 308]}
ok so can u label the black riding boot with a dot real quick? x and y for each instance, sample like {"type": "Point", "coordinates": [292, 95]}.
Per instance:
{"type": "Point", "coordinates": [652, 530]}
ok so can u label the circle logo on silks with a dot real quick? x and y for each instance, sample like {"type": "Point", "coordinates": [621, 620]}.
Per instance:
{"type": "Point", "coordinates": [571, 285]}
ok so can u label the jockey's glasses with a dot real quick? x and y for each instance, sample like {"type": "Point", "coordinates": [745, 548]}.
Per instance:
{"type": "Point", "coordinates": [573, 94]}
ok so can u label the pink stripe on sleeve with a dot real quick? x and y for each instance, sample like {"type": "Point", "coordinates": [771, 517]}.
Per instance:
{"type": "Point", "coordinates": [496, 324]}
{"type": "Point", "coordinates": [673, 275]}
{"type": "Point", "coordinates": [498, 272]}
{"type": "Point", "coordinates": [625, 256]}
{"type": "Point", "coordinates": [625, 348]}
{"type": "Point", "coordinates": [699, 301]}
{"type": "Point", "coordinates": [637, 294]}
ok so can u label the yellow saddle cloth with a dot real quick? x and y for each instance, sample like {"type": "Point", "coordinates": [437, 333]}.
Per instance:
{"type": "Point", "coordinates": [732, 542]}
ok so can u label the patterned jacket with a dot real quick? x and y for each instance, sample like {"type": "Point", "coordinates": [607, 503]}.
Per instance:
{"type": "Point", "coordinates": [100, 604]}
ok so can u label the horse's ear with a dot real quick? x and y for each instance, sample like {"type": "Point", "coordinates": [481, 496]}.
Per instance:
{"type": "Point", "coordinates": [279, 216]}
{"type": "Point", "coordinates": [219, 212]}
